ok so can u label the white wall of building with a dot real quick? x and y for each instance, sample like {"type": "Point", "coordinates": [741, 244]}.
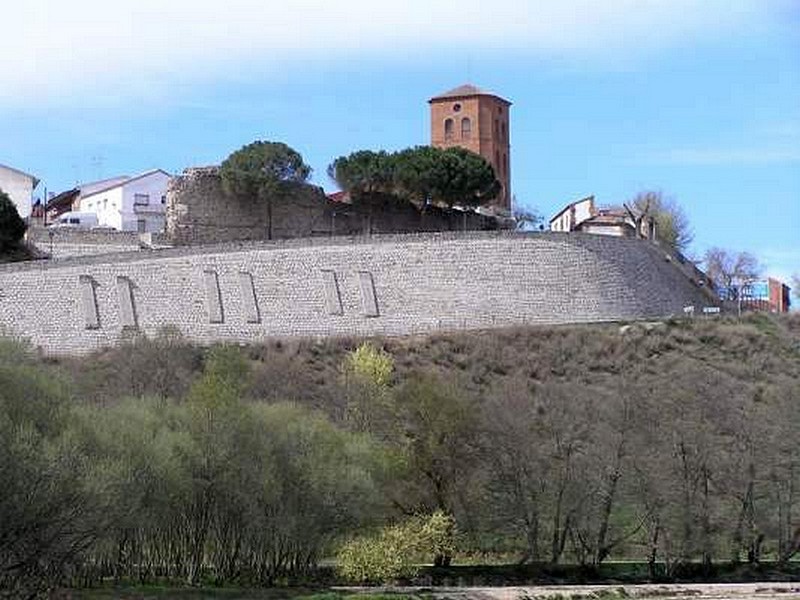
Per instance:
{"type": "Point", "coordinates": [583, 210]}
{"type": "Point", "coordinates": [562, 222]}
{"type": "Point", "coordinates": [106, 205]}
{"type": "Point", "coordinates": [611, 230]}
{"type": "Point", "coordinates": [572, 216]}
{"type": "Point", "coordinates": [19, 186]}
{"type": "Point", "coordinates": [145, 200]}
{"type": "Point", "coordinates": [137, 204]}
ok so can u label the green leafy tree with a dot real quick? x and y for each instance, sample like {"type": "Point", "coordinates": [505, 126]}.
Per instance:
{"type": "Point", "coordinates": [371, 364]}
{"type": "Point", "coordinates": [422, 175]}
{"type": "Point", "coordinates": [217, 427]}
{"type": "Point", "coordinates": [367, 372]}
{"type": "Point", "coordinates": [368, 177]}
{"type": "Point", "coordinates": [260, 169]}
{"type": "Point", "coordinates": [320, 486]}
{"type": "Point", "coordinates": [437, 434]}
{"type": "Point", "coordinates": [469, 179]}
{"type": "Point", "coordinates": [364, 172]}
{"type": "Point", "coordinates": [454, 176]}
{"type": "Point", "coordinates": [46, 517]}
{"type": "Point", "coordinates": [395, 551]}
{"type": "Point", "coordinates": [12, 227]}
{"type": "Point", "coordinates": [136, 477]}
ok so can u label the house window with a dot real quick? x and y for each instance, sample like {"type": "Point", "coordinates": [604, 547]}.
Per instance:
{"type": "Point", "coordinates": [141, 199]}
{"type": "Point", "coordinates": [466, 128]}
{"type": "Point", "coordinates": [141, 226]}
{"type": "Point", "coordinates": [448, 129]}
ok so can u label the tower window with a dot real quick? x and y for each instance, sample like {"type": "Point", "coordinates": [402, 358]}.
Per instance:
{"type": "Point", "coordinates": [496, 127]}
{"type": "Point", "coordinates": [466, 128]}
{"type": "Point", "coordinates": [448, 129]}
{"type": "Point", "coordinates": [497, 163]}
{"type": "Point", "coordinates": [456, 107]}
{"type": "Point", "coordinates": [503, 131]}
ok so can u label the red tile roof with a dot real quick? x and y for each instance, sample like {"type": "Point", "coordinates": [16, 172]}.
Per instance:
{"type": "Point", "coordinates": [466, 91]}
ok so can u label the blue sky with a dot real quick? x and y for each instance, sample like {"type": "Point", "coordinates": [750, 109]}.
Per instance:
{"type": "Point", "coordinates": [697, 98]}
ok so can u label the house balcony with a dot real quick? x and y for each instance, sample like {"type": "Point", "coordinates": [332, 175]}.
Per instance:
{"type": "Point", "coordinates": [148, 207]}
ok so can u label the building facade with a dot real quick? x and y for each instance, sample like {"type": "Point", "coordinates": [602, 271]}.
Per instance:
{"type": "Point", "coordinates": [770, 295]}
{"type": "Point", "coordinates": [583, 215]}
{"type": "Point", "coordinates": [19, 186]}
{"type": "Point", "coordinates": [134, 204]}
{"type": "Point", "coordinates": [471, 118]}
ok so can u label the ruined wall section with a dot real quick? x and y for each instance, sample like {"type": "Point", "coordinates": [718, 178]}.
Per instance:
{"type": "Point", "coordinates": [199, 212]}
{"type": "Point", "coordinates": [385, 285]}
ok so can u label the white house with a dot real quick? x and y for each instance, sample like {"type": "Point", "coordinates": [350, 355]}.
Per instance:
{"type": "Point", "coordinates": [19, 186]}
{"type": "Point", "coordinates": [583, 215]}
{"type": "Point", "coordinates": [70, 200]}
{"type": "Point", "coordinates": [572, 215]}
{"type": "Point", "coordinates": [133, 204]}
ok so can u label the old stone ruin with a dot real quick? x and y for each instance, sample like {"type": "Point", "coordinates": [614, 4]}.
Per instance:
{"type": "Point", "coordinates": [200, 212]}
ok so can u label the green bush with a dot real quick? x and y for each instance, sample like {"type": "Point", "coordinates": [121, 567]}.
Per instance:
{"type": "Point", "coordinates": [395, 551]}
{"type": "Point", "coordinates": [12, 227]}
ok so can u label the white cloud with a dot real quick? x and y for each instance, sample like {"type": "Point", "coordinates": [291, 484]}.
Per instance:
{"type": "Point", "coordinates": [52, 48]}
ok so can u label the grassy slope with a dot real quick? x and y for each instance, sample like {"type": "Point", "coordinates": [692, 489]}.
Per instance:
{"type": "Point", "coordinates": [757, 350]}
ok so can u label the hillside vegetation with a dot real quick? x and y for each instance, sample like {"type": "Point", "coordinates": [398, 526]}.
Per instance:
{"type": "Point", "coordinates": [669, 443]}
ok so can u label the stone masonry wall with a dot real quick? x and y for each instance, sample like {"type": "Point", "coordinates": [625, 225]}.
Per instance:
{"type": "Point", "coordinates": [384, 285]}
{"type": "Point", "coordinates": [199, 212]}
{"type": "Point", "coordinates": [59, 243]}
{"type": "Point", "coordinates": [65, 242]}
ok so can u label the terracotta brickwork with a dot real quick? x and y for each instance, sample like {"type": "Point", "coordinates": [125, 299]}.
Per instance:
{"type": "Point", "coordinates": [471, 118]}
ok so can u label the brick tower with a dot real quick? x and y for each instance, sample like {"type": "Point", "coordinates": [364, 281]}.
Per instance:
{"type": "Point", "coordinates": [476, 120]}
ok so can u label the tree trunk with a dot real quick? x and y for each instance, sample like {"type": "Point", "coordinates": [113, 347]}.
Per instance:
{"type": "Point", "coordinates": [651, 561]}
{"type": "Point", "coordinates": [269, 217]}
{"type": "Point", "coordinates": [706, 521]}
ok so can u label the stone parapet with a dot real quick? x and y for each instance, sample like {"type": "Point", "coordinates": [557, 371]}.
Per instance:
{"type": "Point", "coordinates": [381, 285]}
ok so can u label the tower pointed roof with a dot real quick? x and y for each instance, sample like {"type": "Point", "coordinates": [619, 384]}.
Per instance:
{"type": "Point", "coordinates": [466, 91]}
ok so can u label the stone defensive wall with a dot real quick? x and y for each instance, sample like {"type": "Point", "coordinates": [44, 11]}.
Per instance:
{"type": "Point", "coordinates": [380, 285]}
{"type": "Point", "coordinates": [65, 242]}
{"type": "Point", "coordinates": [200, 212]}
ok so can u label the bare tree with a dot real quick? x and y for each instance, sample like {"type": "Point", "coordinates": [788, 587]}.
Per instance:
{"type": "Point", "coordinates": [731, 271]}
{"type": "Point", "coordinates": [669, 220]}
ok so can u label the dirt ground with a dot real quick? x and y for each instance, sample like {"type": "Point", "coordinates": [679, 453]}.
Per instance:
{"type": "Point", "coordinates": [716, 591]}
